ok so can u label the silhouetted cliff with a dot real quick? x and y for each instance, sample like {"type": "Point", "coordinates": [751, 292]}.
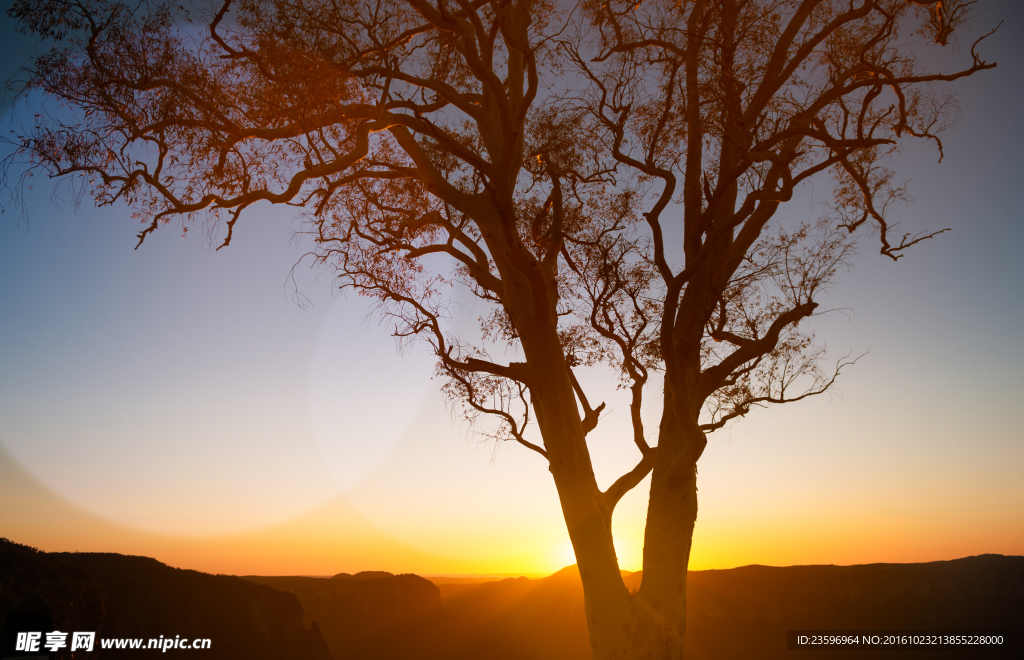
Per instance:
{"type": "Point", "coordinates": [373, 614]}
{"type": "Point", "coordinates": [137, 597]}
{"type": "Point", "coordinates": [44, 591]}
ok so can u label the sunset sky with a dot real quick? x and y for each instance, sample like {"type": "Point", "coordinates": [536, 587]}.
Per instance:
{"type": "Point", "coordinates": [175, 402]}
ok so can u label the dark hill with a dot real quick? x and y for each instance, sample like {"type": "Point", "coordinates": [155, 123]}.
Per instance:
{"type": "Point", "coordinates": [406, 616]}
{"type": "Point", "coordinates": [745, 612]}
{"type": "Point", "coordinates": [735, 611]}
{"type": "Point", "coordinates": [373, 614]}
{"type": "Point", "coordinates": [138, 597]}
{"type": "Point", "coordinates": [735, 614]}
{"type": "Point", "coordinates": [44, 591]}
{"type": "Point", "coordinates": [520, 618]}
{"type": "Point", "coordinates": [363, 575]}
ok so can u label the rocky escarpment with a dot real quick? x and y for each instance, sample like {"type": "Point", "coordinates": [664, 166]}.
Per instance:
{"type": "Point", "coordinates": [373, 614]}
{"type": "Point", "coordinates": [120, 596]}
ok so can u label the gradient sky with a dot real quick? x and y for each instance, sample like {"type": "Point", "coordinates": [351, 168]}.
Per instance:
{"type": "Point", "coordinates": [175, 402]}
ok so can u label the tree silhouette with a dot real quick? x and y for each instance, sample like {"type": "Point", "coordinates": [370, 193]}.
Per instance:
{"type": "Point", "coordinates": [605, 178]}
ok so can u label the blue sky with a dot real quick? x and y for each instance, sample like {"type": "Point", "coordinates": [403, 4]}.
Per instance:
{"type": "Point", "coordinates": [178, 390]}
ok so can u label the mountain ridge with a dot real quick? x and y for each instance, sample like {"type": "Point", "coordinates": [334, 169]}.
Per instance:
{"type": "Point", "coordinates": [129, 596]}
{"type": "Point", "coordinates": [740, 612]}
{"type": "Point", "coordinates": [735, 613]}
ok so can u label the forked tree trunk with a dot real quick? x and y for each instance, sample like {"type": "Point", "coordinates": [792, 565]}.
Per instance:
{"type": "Point", "coordinates": [654, 623]}
{"type": "Point", "coordinates": [649, 625]}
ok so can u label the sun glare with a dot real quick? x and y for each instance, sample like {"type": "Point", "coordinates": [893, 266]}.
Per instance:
{"type": "Point", "coordinates": [629, 553]}
{"type": "Point", "coordinates": [564, 556]}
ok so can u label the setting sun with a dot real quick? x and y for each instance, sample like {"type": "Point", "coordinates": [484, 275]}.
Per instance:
{"type": "Point", "coordinates": [565, 556]}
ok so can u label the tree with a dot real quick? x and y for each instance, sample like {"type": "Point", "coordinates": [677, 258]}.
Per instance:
{"type": "Point", "coordinates": [604, 178]}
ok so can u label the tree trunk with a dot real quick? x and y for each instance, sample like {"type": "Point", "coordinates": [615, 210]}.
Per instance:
{"type": "Point", "coordinates": [606, 599]}
{"type": "Point", "coordinates": [621, 626]}
{"type": "Point", "coordinates": [671, 515]}
{"type": "Point", "coordinates": [649, 625]}
{"type": "Point", "coordinates": [668, 536]}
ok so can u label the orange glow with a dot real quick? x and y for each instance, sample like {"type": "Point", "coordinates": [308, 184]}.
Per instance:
{"type": "Point", "coordinates": [336, 538]}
